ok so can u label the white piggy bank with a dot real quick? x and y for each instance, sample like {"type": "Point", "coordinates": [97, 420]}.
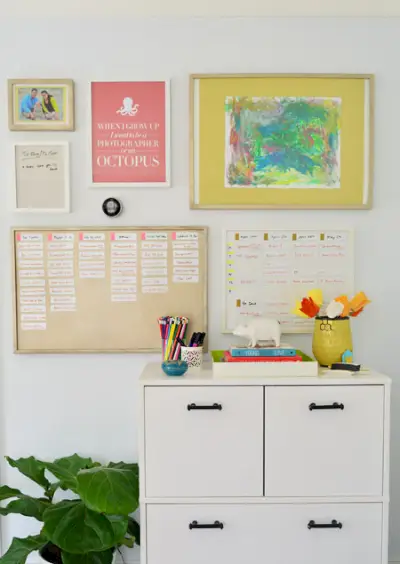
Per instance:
{"type": "Point", "coordinates": [260, 329]}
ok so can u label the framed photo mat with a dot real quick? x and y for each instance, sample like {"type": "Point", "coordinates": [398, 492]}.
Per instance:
{"type": "Point", "coordinates": [210, 193]}
{"type": "Point", "coordinates": [61, 89]}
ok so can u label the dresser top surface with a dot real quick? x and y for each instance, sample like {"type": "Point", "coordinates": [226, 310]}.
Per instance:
{"type": "Point", "coordinates": [153, 375]}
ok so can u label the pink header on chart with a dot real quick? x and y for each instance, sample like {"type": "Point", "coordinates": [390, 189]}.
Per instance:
{"type": "Point", "coordinates": [112, 236]}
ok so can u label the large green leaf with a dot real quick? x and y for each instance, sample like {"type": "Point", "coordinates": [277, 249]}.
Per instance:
{"type": "Point", "coordinates": [6, 492]}
{"type": "Point", "coordinates": [31, 468]}
{"type": "Point", "coordinates": [134, 529]}
{"type": "Point", "coordinates": [119, 524]}
{"type": "Point", "coordinates": [134, 466]}
{"type": "Point", "coordinates": [76, 529]}
{"type": "Point", "coordinates": [109, 490]}
{"type": "Point", "coordinates": [21, 548]}
{"type": "Point", "coordinates": [66, 469]}
{"type": "Point", "coordinates": [104, 557]}
{"type": "Point", "coordinates": [27, 506]}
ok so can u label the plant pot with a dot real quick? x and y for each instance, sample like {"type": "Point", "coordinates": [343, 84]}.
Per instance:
{"type": "Point", "coordinates": [332, 337]}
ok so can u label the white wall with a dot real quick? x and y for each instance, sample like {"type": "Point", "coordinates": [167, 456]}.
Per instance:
{"type": "Point", "coordinates": [135, 8]}
{"type": "Point", "coordinates": [54, 405]}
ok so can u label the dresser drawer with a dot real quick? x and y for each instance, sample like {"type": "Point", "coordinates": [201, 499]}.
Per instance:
{"type": "Point", "coordinates": [324, 441]}
{"type": "Point", "coordinates": [277, 534]}
{"type": "Point", "coordinates": [204, 441]}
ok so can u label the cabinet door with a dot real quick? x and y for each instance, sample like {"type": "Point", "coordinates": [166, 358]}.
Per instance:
{"type": "Point", "coordinates": [273, 534]}
{"type": "Point", "coordinates": [324, 441]}
{"type": "Point", "coordinates": [204, 441]}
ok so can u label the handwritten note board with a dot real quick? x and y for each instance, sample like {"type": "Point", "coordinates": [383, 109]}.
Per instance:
{"type": "Point", "coordinates": [267, 271]}
{"type": "Point", "coordinates": [103, 289]}
{"type": "Point", "coordinates": [41, 177]}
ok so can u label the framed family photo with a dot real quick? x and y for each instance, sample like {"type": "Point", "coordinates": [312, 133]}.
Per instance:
{"type": "Point", "coordinates": [41, 177]}
{"type": "Point", "coordinates": [130, 134]}
{"type": "Point", "coordinates": [41, 104]}
{"type": "Point", "coordinates": [281, 141]}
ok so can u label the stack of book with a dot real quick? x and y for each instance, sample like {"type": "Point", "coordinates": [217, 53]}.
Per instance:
{"type": "Point", "coordinates": [284, 353]}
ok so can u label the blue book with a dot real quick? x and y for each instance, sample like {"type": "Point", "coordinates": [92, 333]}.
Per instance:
{"type": "Point", "coordinates": [284, 350]}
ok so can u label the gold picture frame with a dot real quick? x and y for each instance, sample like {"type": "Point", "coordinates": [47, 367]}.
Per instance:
{"type": "Point", "coordinates": [231, 169]}
{"type": "Point", "coordinates": [38, 104]}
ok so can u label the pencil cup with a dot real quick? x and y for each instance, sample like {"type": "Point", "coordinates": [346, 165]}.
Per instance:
{"type": "Point", "coordinates": [193, 356]}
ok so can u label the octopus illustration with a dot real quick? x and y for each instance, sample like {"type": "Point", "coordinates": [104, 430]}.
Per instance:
{"type": "Point", "coordinates": [128, 107]}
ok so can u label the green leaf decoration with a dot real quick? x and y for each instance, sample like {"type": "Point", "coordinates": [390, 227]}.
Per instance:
{"type": "Point", "coordinates": [76, 529]}
{"type": "Point", "coordinates": [109, 490]}
{"type": "Point", "coordinates": [134, 529]}
{"type": "Point", "coordinates": [65, 470]}
{"type": "Point", "coordinates": [128, 541]}
{"type": "Point", "coordinates": [6, 493]}
{"type": "Point", "coordinates": [104, 557]}
{"type": "Point", "coordinates": [27, 506]}
{"type": "Point", "coordinates": [119, 524]}
{"type": "Point", "coordinates": [21, 548]}
{"type": "Point", "coordinates": [134, 466]}
{"type": "Point", "coordinates": [31, 468]}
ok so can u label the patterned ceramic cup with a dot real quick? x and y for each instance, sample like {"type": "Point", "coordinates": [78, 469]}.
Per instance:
{"type": "Point", "coordinates": [193, 356]}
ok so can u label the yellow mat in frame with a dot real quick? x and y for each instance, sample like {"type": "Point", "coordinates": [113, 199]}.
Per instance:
{"type": "Point", "coordinates": [207, 132]}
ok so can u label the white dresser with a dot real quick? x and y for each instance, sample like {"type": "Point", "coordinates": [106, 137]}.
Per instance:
{"type": "Point", "coordinates": [264, 471]}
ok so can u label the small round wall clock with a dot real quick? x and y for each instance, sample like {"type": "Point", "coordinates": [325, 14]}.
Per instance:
{"type": "Point", "coordinates": [112, 207]}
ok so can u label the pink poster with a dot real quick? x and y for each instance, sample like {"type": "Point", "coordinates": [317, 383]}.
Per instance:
{"type": "Point", "coordinates": [130, 133]}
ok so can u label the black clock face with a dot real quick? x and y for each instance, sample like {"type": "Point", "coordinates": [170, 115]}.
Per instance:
{"type": "Point", "coordinates": [112, 207]}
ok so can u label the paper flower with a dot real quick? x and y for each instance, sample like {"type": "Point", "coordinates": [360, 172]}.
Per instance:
{"type": "Point", "coordinates": [298, 311]}
{"type": "Point", "coordinates": [309, 307]}
{"type": "Point", "coordinates": [316, 296]}
{"type": "Point", "coordinates": [334, 309]}
{"type": "Point", "coordinates": [346, 305]}
{"type": "Point", "coordinates": [358, 303]}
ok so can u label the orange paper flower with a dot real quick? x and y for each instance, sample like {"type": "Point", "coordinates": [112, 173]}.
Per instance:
{"type": "Point", "coordinates": [355, 313]}
{"type": "Point", "coordinates": [358, 303]}
{"type": "Point", "coordinates": [309, 307]}
{"type": "Point", "coordinates": [346, 305]}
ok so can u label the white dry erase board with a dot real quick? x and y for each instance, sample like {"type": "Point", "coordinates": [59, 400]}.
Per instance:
{"type": "Point", "coordinates": [103, 289]}
{"type": "Point", "coordinates": [41, 176]}
{"type": "Point", "coordinates": [267, 271]}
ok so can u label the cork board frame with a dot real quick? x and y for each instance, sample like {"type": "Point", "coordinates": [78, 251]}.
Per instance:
{"type": "Point", "coordinates": [98, 325]}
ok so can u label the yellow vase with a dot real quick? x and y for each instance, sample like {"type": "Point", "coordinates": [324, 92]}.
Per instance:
{"type": "Point", "coordinates": [332, 337]}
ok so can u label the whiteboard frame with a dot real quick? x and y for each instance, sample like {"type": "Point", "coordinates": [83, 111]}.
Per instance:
{"type": "Point", "coordinates": [67, 196]}
{"type": "Point", "coordinates": [300, 330]}
{"type": "Point", "coordinates": [14, 230]}
{"type": "Point", "coordinates": [167, 182]}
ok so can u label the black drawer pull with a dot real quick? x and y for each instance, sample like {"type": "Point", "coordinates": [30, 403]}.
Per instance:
{"type": "Point", "coordinates": [215, 525]}
{"type": "Point", "coordinates": [215, 406]}
{"type": "Point", "coordinates": [334, 405]}
{"type": "Point", "coordinates": [332, 525]}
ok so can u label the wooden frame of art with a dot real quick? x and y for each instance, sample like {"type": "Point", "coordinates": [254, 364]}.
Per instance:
{"type": "Point", "coordinates": [277, 141]}
{"type": "Point", "coordinates": [39, 104]}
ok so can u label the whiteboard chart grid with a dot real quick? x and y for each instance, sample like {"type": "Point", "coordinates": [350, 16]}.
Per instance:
{"type": "Point", "coordinates": [266, 271]}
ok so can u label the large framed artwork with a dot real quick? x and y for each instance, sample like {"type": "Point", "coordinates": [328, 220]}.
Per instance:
{"type": "Point", "coordinates": [39, 104]}
{"type": "Point", "coordinates": [130, 134]}
{"type": "Point", "coordinates": [281, 141]}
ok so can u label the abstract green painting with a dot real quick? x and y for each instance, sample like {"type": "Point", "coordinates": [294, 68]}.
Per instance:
{"type": "Point", "coordinates": [282, 142]}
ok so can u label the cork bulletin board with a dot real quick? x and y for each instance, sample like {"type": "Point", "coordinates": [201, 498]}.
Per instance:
{"type": "Point", "coordinates": [102, 289]}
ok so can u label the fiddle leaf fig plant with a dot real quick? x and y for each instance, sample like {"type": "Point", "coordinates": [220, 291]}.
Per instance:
{"type": "Point", "coordinates": [84, 530]}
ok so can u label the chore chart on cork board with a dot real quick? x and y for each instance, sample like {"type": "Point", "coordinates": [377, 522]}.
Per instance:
{"type": "Point", "coordinates": [267, 271]}
{"type": "Point", "coordinates": [103, 290]}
